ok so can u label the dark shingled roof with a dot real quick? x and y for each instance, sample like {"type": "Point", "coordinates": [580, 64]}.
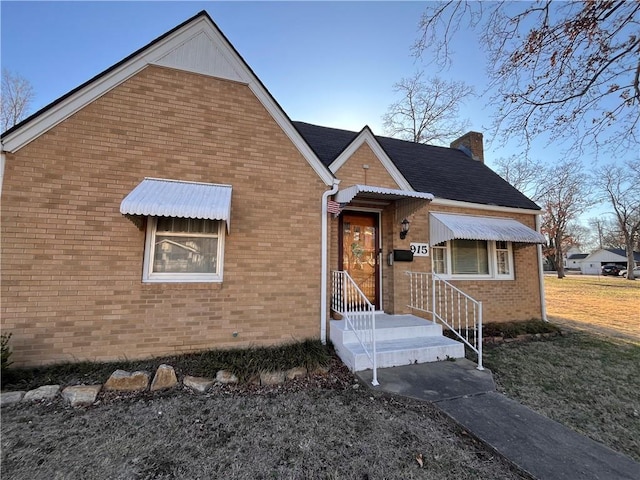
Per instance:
{"type": "Point", "coordinates": [447, 173]}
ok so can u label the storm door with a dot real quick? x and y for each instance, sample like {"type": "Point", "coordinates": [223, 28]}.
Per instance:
{"type": "Point", "coordinates": [359, 252]}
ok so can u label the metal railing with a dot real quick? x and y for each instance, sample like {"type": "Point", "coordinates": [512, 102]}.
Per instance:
{"type": "Point", "coordinates": [358, 313]}
{"type": "Point", "coordinates": [450, 306]}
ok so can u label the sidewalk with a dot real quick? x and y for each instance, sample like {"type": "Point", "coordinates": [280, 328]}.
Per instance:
{"type": "Point", "coordinates": [539, 446]}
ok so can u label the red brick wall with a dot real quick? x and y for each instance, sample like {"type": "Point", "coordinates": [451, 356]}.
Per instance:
{"type": "Point", "coordinates": [72, 265]}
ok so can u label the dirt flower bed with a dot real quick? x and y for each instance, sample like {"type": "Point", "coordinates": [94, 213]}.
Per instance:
{"type": "Point", "coordinates": [322, 426]}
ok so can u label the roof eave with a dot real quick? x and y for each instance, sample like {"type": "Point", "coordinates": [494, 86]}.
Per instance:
{"type": "Point", "coordinates": [439, 201]}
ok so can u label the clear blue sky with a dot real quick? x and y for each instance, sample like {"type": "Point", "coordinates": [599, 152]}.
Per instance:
{"type": "Point", "coordinates": [328, 63]}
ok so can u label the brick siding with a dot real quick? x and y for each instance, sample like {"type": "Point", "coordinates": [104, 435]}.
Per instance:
{"type": "Point", "coordinates": [503, 300]}
{"type": "Point", "coordinates": [72, 265]}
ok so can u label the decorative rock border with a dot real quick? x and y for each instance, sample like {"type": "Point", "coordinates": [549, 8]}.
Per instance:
{"type": "Point", "coordinates": [122, 381]}
{"type": "Point", "coordinates": [164, 378]}
{"type": "Point", "coordinates": [81, 395]}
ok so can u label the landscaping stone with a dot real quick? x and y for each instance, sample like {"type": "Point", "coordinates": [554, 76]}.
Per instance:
{"type": "Point", "coordinates": [199, 384]}
{"type": "Point", "coordinates": [46, 392]}
{"type": "Point", "coordinates": [164, 378]}
{"type": "Point", "coordinates": [297, 372]}
{"type": "Point", "coordinates": [319, 370]}
{"type": "Point", "coordinates": [81, 395]}
{"type": "Point", "coordinates": [127, 382]}
{"type": "Point", "coordinates": [272, 378]}
{"type": "Point", "coordinates": [9, 398]}
{"type": "Point", "coordinates": [224, 376]}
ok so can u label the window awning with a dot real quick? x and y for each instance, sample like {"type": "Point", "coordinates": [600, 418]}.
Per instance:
{"type": "Point", "coordinates": [443, 227]}
{"type": "Point", "coordinates": [407, 202]}
{"type": "Point", "coordinates": [174, 198]}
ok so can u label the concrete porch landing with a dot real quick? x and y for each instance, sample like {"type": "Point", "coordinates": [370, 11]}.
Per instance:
{"type": "Point", "coordinates": [401, 340]}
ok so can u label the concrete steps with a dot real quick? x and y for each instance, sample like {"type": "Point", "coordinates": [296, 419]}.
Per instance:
{"type": "Point", "coordinates": [401, 340]}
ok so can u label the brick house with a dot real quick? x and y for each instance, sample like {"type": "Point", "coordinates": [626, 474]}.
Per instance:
{"type": "Point", "coordinates": [170, 205]}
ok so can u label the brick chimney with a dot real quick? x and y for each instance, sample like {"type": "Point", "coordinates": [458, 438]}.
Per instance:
{"type": "Point", "coordinates": [470, 143]}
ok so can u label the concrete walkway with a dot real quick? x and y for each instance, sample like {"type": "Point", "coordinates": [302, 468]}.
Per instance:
{"type": "Point", "coordinates": [539, 446]}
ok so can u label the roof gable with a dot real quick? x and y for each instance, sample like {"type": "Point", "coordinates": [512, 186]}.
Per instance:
{"type": "Point", "coordinates": [197, 45]}
{"type": "Point", "coordinates": [612, 254]}
{"type": "Point", "coordinates": [623, 253]}
{"type": "Point", "coordinates": [447, 173]}
{"type": "Point", "coordinates": [366, 137]}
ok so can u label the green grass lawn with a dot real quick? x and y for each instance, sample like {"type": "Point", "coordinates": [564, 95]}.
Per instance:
{"type": "Point", "coordinates": [589, 383]}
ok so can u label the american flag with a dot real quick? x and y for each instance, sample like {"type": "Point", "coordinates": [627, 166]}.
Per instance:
{"type": "Point", "coordinates": [333, 207]}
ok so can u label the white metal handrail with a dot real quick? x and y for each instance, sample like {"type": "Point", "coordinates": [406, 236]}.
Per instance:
{"type": "Point", "coordinates": [449, 305]}
{"type": "Point", "coordinates": [358, 313]}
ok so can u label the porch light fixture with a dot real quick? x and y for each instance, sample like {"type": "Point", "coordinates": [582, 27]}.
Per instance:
{"type": "Point", "coordinates": [405, 229]}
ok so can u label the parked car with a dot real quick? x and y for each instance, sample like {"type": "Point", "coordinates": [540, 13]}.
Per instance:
{"type": "Point", "coordinates": [636, 273]}
{"type": "Point", "coordinates": [610, 270]}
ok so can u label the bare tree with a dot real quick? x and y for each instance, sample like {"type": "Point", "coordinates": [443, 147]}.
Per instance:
{"type": "Point", "coordinates": [579, 235]}
{"type": "Point", "coordinates": [619, 185]}
{"type": "Point", "coordinates": [562, 192]}
{"type": "Point", "coordinates": [428, 110]}
{"type": "Point", "coordinates": [557, 70]}
{"type": "Point", "coordinates": [523, 173]}
{"type": "Point", "coordinates": [17, 94]}
{"type": "Point", "coordinates": [565, 196]}
{"type": "Point", "coordinates": [601, 226]}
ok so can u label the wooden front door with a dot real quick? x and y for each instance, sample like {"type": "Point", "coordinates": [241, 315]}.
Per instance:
{"type": "Point", "coordinates": [359, 252]}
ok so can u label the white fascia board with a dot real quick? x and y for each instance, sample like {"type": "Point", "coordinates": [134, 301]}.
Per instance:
{"type": "Point", "coordinates": [3, 161]}
{"type": "Point", "coordinates": [156, 54]}
{"type": "Point", "coordinates": [367, 137]}
{"type": "Point", "coordinates": [479, 206]}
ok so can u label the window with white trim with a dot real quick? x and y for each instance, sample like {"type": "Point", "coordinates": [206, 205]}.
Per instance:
{"type": "Point", "coordinates": [473, 259]}
{"type": "Point", "coordinates": [439, 258]}
{"type": "Point", "coordinates": [503, 258]}
{"type": "Point", "coordinates": [183, 250]}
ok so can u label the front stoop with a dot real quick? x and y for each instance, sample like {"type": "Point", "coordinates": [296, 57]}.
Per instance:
{"type": "Point", "coordinates": [401, 340]}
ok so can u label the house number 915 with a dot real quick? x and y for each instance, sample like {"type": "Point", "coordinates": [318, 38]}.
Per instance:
{"type": "Point", "coordinates": [420, 249]}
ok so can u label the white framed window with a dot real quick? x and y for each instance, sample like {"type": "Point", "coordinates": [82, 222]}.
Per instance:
{"type": "Point", "coordinates": [439, 258]}
{"type": "Point", "coordinates": [473, 259]}
{"type": "Point", "coordinates": [183, 250]}
{"type": "Point", "coordinates": [503, 259]}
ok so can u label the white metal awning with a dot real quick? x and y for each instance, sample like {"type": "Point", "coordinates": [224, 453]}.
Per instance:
{"type": "Point", "coordinates": [443, 227]}
{"type": "Point", "coordinates": [175, 198]}
{"type": "Point", "coordinates": [407, 202]}
{"type": "Point", "coordinates": [369, 191]}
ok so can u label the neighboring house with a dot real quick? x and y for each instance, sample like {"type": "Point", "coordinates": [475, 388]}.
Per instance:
{"type": "Point", "coordinates": [120, 238]}
{"type": "Point", "coordinates": [593, 263]}
{"type": "Point", "coordinates": [573, 258]}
